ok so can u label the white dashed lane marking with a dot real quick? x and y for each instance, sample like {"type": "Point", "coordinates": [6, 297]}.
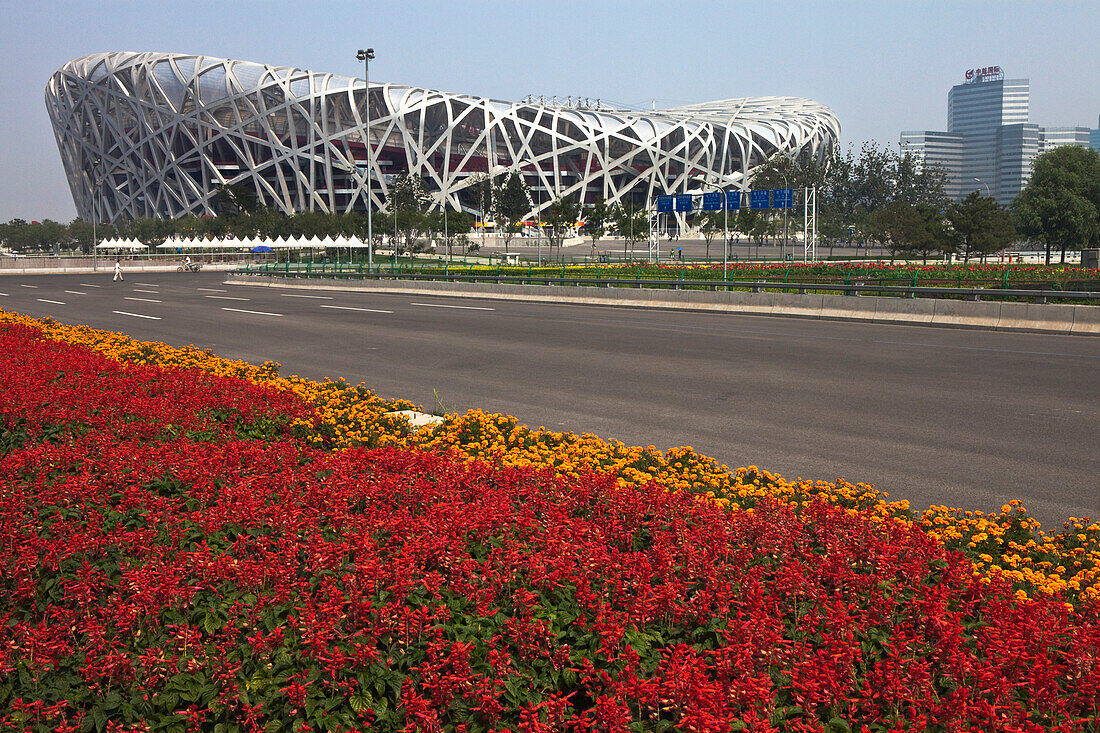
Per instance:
{"type": "Point", "coordinates": [28, 286]}
{"type": "Point", "coordinates": [211, 290]}
{"type": "Point", "coordinates": [226, 297]}
{"type": "Point", "coordinates": [89, 285]}
{"type": "Point", "coordinates": [137, 315]}
{"type": "Point", "coordinates": [317, 297]}
{"type": "Point", "coordinates": [149, 285]}
{"type": "Point", "coordinates": [462, 307]}
{"type": "Point", "coordinates": [144, 300]}
{"type": "Point", "coordinates": [349, 308]}
{"type": "Point", "coordinates": [255, 313]}
{"type": "Point", "coordinates": [75, 292]}
{"type": "Point", "coordinates": [139, 290]}
{"type": "Point", "coordinates": [55, 302]}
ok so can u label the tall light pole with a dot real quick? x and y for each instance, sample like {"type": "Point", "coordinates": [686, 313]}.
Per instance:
{"type": "Point", "coordinates": [984, 184]}
{"type": "Point", "coordinates": [725, 235]}
{"type": "Point", "coordinates": [786, 188]}
{"type": "Point", "coordinates": [365, 57]}
{"type": "Point", "coordinates": [95, 189]}
{"type": "Point", "coordinates": [725, 231]}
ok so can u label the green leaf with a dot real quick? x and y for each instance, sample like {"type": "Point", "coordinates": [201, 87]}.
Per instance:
{"type": "Point", "coordinates": [838, 724]}
{"type": "Point", "coordinates": [360, 701]}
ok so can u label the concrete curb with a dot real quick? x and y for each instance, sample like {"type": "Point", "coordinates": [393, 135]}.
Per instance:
{"type": "Point", "coordinates": [106, 269]}
{"type": "Point", "coordinates": [1046, 318]}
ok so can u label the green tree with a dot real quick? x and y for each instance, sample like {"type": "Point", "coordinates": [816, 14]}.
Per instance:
{"type": "Point", "coordinates": [80, 232]}
{"type": "Point", "coordinates": [513, 203]}
{"type": "Point", "coordinates": [35, 236]}
{"type": "Point", "coordinates": [746, 221]}
{"type": "Point", "coordinates": [979, 226]}
{"type": "Point", "coordinates": [597, 215]}
{"type": "Point", "coordinates": [1060, 206]}
{"type": "Point", "coordinates": [850, 187]}
{"type": "Point", "coordinates": [458, 224]}
{"type": "Point", "coordinates": [710, 223]}
{"type": "Point", "coordinates": [632, 225]}
{"type": "Point", "coordinates": [231, 200]}
{"type": "Point", "coordinates": [408, 203]}
{"type": "Point", "coordinates": [910, 228]}
{"type": "Point", "coordinates": [558, 219]}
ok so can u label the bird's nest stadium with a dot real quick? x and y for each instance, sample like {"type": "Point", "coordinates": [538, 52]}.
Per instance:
{"type": "Point", "coordinates": [157, 134]}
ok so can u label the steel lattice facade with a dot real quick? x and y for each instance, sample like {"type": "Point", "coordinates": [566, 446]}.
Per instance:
{"type": "Point", "coordinates": [168, 129]}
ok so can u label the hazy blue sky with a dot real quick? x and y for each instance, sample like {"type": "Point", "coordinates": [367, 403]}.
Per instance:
{"type": "Point", "coordinates": [882, 66]}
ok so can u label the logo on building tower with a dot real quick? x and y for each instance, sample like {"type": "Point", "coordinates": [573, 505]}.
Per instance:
{"type": "Point", "coordinates": [985, 73]}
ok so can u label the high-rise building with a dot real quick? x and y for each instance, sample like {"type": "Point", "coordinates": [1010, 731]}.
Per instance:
{"type": "Point", "coordinates": [1094, 136]}
{"type": "Point", "coordinates": [1052, 137]}
{"type": "Point", "coordinates": [989, 144]}
{"type": "Point", "coordinates": [943, 149]}
{"type": "Point", "coordinates": [977, 111]}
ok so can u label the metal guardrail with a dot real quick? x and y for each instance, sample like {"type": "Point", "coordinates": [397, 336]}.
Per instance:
{"type": "Point", "coordinates": [756, 286]}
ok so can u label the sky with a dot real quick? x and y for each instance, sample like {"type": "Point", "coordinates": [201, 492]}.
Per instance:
{"type": "Point", "coordinates": [882, 66]}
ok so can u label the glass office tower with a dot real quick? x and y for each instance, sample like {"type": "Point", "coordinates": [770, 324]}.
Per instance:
{"type": "Point", "coordinates": [977, 111]}
{"type": "Point", "coordinates": [989, 144]}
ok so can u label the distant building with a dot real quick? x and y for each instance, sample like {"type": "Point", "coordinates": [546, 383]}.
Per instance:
{"type": "Point", "coordinates": [944, 149]}
{"type": "Point", "coordinates": [1052, 137]}
{"type": "Point", "coordinates": [989, 144]}
{"type": "Point", "coordinates": [1094, 136]}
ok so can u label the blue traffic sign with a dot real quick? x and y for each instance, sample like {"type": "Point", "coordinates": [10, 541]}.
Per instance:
{"type": "Point", "coordinates": [683, 202]}
{"type": "Point", "coordinates": [760, 199]}
{"type": "Point", "coordinates": [783, 198]}
{"type": "Point", "coordinates": [733, 200]}
{"type": "Point", "coordinates": [664, 203]}
{"type": "Point", "coordinates": [712, 201]}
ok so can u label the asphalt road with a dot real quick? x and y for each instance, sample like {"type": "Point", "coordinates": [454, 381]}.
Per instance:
{"type": "Point", "coordinates": [965, 418]}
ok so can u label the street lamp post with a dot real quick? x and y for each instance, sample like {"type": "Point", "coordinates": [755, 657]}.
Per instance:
{"type": "Point", "coordinates": [725, 234]}
{"type": "Point", "coordinates": [365, 57]}
{"type": "Point", "coordinates": [95, 189]}
{"type": "Point", "coordinates": [984, 184]}
{"type": "Point", "coordinates": [786, 188]}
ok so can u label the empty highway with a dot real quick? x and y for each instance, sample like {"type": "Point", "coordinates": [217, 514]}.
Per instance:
{"type": "Point", "coordinates": [965, 418]}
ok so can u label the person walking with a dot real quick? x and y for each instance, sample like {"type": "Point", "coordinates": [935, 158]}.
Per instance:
{"type": "Point", "coordinates": [118, 271]}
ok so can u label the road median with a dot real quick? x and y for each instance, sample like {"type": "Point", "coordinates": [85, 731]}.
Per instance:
{"type": "Point", "coordinates": [1048, 318]}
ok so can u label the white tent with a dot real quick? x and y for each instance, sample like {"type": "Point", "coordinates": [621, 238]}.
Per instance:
{"type": "Point", "coordinates": [327, 241]}
{"type": "Point", "coordinates": [315, 243]}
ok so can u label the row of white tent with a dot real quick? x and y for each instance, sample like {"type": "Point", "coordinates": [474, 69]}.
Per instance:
{"type": "Point", "coordinates": [130, 244]}
{"type": "Point", "coordinates": [235, 243]}
{"type": "Point", "coordinates": [252, 242]}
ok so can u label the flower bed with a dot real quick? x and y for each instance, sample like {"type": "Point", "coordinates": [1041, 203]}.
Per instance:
{"type": "Point", "coordinates": [1004, 543]}
{"type": "Point", "coordinates": [182, 551]}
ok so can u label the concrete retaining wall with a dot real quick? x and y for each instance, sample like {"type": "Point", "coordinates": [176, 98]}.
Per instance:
{"type": "Point", "coordinates": [1057, 318]}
